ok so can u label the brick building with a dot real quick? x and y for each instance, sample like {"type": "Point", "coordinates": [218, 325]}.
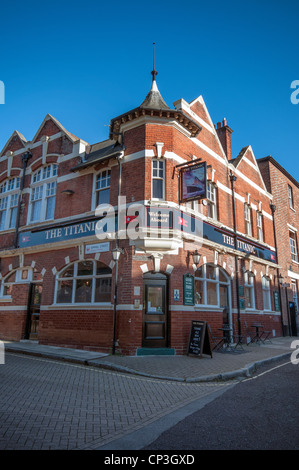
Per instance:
{"type": "Point", "coordinates": [66, 205]}
{"type": "Point", "coordinates": [284, 189]}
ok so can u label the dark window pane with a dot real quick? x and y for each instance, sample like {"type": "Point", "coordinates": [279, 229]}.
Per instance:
{"type": "Point", "coordinates": [64, 292]}
{"type": "Point", "coordinates": [158, 189]}
{"type": "Point", "coordinates": [103, 290]}
{"type": "Point", "coordinates": [83, 290]}
{"type": "Point", "coordinates": [85, 268]}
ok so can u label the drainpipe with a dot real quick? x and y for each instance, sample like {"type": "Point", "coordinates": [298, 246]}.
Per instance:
{"type": "Point", "coordinates": [25, 157]}
{"type": "Point", "coordinates": [233, 178]}
{"type": "Point", "coordinates": [273, 209]}
{"type": "Point", "coordinates": [119, 158]}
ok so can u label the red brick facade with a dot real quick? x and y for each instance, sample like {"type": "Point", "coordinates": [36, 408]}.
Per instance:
{"type": "Point", "coordinates": [49, 251]}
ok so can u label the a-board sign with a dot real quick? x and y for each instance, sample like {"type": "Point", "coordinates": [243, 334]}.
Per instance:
{"type": "Point", "coordinates": [199, 340]}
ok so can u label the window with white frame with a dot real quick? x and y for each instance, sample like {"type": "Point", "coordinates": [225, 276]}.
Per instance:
{"type": "Point", "coordinates": [248, 222]}
{"type": "Point", "coordinates": [249, 290]}
{"type": "Point", "coordinates": [259, 225]}
{"type": "Point", "coordinates": [43, 193]}
{"type": "Point", "coordinates": [290, 195]}
{"type": "Point", "coordinates": [103, 187]}
{"type": "Point", "coordinates": [211, 286]}
{"type": "Point", "coordinates": [158, 179]}
{"type": "Point", "coordinates": [9, 197]}
{"type": "Point", "coordinates": [87, 281]}
{"type": "Point", "coordinates": [295, 294]}
{"type": "Point", "coordinates": [21, 276]}
{"type": "Point", "coordinates": [211, 200]}
{"type": "Point", "coordinates": [266, 292]}
{"type": "Point", "coordinates": [293, 245]}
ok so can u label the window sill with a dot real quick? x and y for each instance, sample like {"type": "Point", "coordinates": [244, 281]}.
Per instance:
{"type": "Point", "coordinates": [85, 306]}
{"type": "Point", "coordinates": [5, 299]}
{"type": "Point", "coordinates": [213, 308]}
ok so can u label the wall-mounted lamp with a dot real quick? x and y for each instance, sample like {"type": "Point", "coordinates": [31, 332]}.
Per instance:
{"type": "Point", "coordinates": [68, 191]}
{"type": "Point", "coordinates": [116, 252]}
{"type": "Point", "coordinates": [196, 257]}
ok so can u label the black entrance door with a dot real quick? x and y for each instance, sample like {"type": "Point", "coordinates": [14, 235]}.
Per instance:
{"type": "Point", "coordinates": [292, 307]}
{"type": "Point", "coordinates": [34, 300]}
{"type": "Point", "coordinates": [155, 325]}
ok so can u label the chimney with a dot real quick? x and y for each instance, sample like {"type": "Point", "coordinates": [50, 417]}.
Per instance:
{"type": "Point", "coordinates": [224, 133]}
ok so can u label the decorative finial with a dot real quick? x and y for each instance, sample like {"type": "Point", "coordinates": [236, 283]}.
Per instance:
{"type": "Point", "coordinates": [154, 73]}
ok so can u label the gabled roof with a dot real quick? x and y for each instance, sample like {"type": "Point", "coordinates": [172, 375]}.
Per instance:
{"type": "Point", "coordinates": [48, 117]}
{"type": "Point", "coordinates": [252, 161]}
{"type": "Point", "coordinates": [19, 136]}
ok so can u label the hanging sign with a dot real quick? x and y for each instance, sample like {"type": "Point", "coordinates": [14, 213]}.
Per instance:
{"type": "Point", "coordinates": [193, 182]}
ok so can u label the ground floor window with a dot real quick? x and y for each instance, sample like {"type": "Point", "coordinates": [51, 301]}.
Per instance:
{"type": "Point", "coordinates": [211, 286]}
{"type": "Point", "coordinates": [86, 281]}
{"type": "Point", "coordinates": [266, 292]}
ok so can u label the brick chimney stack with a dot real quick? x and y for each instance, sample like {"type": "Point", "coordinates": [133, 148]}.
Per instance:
{"type": "Point", "coordinates": [224, 133]}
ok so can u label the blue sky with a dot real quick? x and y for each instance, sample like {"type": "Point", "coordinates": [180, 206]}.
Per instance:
{"type": "Point", "coordinates": [87, 62]}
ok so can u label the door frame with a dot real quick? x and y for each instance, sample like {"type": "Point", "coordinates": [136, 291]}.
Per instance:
{"type": "Point", "coordinates": [30, 307]}
{"type": "Point", "coordinates": [155, 279]}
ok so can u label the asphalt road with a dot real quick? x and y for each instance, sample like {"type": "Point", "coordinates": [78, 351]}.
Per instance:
{"type": "Point", "coordinates": [260, 413]}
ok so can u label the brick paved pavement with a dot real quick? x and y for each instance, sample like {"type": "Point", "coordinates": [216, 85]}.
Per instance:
{"type": "Point", "coordinates": [48, 404]}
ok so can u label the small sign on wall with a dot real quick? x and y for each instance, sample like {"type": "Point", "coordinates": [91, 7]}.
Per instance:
{"type": "Point", "coordinates": [176, 294]}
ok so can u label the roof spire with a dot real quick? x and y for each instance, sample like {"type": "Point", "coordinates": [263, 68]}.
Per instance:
{"type": "Point", "coordinates": [154, 98]}
{"type": "Point", "coordinates": [154, 72]}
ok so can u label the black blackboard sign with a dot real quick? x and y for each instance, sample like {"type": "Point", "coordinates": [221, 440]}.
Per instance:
{"type": "Point", "coordinates": [199, 340]}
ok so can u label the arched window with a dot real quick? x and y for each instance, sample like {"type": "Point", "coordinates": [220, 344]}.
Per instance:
{"type": "Point", "coordinates": [266, 292]}
{"type": "Point", "coordinates": [249, 290]}
{"type": "Point", "coordinates": [18, 276]}
{"type": "Point", "coordinates": [85, 281]}
{"type": "Point", "coordinates": [212, 286]}
{"type": "Point", "coordinates": [9, 196]}
{"type": "Point", "coordinates": [43, 193]}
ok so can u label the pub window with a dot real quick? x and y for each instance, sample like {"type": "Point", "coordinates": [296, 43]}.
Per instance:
{"type": "Point", "coordinates": [9, 197]}
{"type": "Point", "coordinates": [158, 179]}
{"type": "Point", "coordinates": [85, 281]}
{"type": "Point", "coordinates": [43, 194]}
{"type": "Point", "coordinates": [293, 244]}
{"type": "Point", "coordinates": [290, 195]}
{"type": "Point", "coordinates": [248, 222]}
{"type": "Point", "coordinates": [211, 200]}
{"type": "Point", "coordinates": [103, 187]}
{"type": "Point", "coordinates": [259, 225]}
{"type": "Point", "coordinates": [266, 292]}
{"type": "Point", "coordinates": [249, 290]}
{"type": "Point", "coordinates": [7, 285]}
{"type": "Point", "coordinates": [211, 286]}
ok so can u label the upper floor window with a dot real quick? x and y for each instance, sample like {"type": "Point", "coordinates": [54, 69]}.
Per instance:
{"type": "Point", "coordinates": [248, 220]}
{"type": "Point", "coordinates": [158, 179]}
{"type": "Point", "coordinates": [293, 244]}
{"type": "Point", "coordinates": [103, 187]}
{"type": "Point", "coordinates": [211, 200]}
{"type": "Point", "coordinates": [43, 195]}
{"type": "Point", "coordinates": [259, 225]}
{"type": "Point", "coordinates": [266, 292]}
{"type": "Point", "coordinates": [87, 281]}
{"type": "Point", "coordinates": [9, 196]}
{"type": "Point", "coordinates": [290, 195]}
